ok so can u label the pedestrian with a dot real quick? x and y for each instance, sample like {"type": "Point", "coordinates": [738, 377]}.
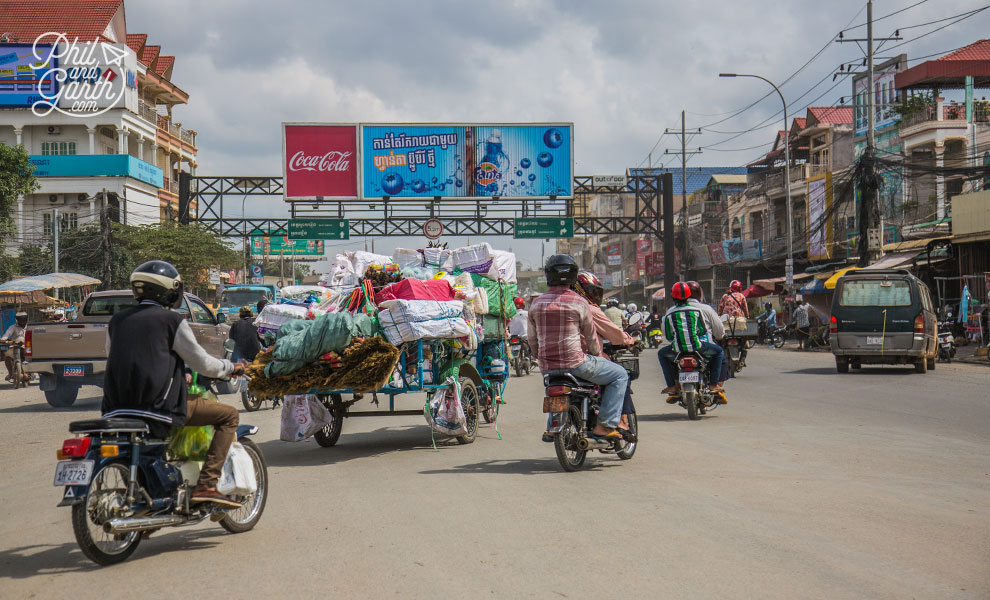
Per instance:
{"type": "Point", "coordinates": [245, 335]}
{"type": "Point", "coordinates": [802, 324]}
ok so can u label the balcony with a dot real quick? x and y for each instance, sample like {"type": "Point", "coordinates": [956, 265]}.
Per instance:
{"type": "Point", "coordinates": [187, 136]}
{"type": "Point", "coordinates": [147, 112]}
{"type": "Point", "coordinates": [97, 165]}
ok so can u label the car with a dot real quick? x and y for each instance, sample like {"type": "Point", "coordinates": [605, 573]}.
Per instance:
{"type": "Point", "coordinates": [883, 316]}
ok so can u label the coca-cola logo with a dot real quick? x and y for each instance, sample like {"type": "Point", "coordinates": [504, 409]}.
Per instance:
{"type": "Point", "coordinates": [334, 160]}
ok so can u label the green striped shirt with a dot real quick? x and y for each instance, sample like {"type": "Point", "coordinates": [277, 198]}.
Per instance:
{"type": "Point", "coordinates": [685, 327]}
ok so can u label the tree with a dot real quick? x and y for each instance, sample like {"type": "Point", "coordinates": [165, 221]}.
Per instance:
{"type": "Point", "coordinates": [193, 250]}
{"type": "Point", "coordinates": [35, 259]}
{"type": "Point", "coordinates": [16, 179]}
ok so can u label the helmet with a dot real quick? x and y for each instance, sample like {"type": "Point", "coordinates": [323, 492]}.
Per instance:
{"type": "Point", "coordinates": [561, 269]}
{"type": "Point", "coordinates": [613, 302]}
{"type": "Point", "coordinates": [735, 286]}
{"type": "Point", "coordinates": [696, 290]}
{"type": "Point", "coordinates": [768, 306]}
{"type": "Point", "coordinates": [680, 291]}
{"type": "Point", "coordinates": [21, 317]}
{"type": "Point", "coordinates": [519, 302]}
{"type": "Point", "coordinates": [158, 281]}
{"type": "Point", "coordinates": [622, 307]}
{"type": "Point", "coordinates": [589, 286]}
{"type": "Point", "coordinates": [632, 307]}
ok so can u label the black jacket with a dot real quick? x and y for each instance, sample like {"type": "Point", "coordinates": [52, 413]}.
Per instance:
{"type": "Point", "coordinates": [245, 336]}
{"type": "Point", "coordinates": [144, 376]}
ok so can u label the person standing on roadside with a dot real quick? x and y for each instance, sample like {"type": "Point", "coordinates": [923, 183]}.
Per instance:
{"type": "Point", "coordinates": [245, 336]}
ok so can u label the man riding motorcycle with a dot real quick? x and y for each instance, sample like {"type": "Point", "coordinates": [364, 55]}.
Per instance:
{"type": "Point", "coordinates": [148, 348]}
{"type": "Point", "coordinates": [519, 324]}
{"type": "Point", "coordinates": [558, 322]}
{"type": "Point", "coordinates": [613, 312]}
{"type": "Point", "coordinates": [14, 335]}
{"type": "Point", "coordinates": [733, 303]}
{"type": "Point", "coordinates": [716, 329]}
{"type": "Point", "coordinates": [684, 326]}
{"type": "Point", "coordinates": [589, 286]}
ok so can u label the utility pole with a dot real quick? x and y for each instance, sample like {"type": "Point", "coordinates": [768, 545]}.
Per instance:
{"type": "Point", "coordinates": [55, 227]}
{"type": "Point", "coordinates": [107, 230]}
{"type": "Point", "coordinates": [668, 260]}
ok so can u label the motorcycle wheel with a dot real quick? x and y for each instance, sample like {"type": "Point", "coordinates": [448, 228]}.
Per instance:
{"type": "Point", "coordinates": [777, 341]}
{"type": "Point", "coordinates": [529, 365]}
{"type": "Point", "coordinates": [472, 408]}
{"type": "Point", "coordinates": [519, 366]}
{"type": "Point", "coordinates": [250, 401]}
{"type": "Point", "coordinates": [690, 399]}
{"type": "Point", "coordinates": [330, 433]}
{"type": "Point", "coordinates": [107, 492]}
{"type": "Point", "coordinates": [565, 442]}
{"type": "Point", "coordinates": [247, 516]}
{"type": "Point", "coordinates": [627, 449]}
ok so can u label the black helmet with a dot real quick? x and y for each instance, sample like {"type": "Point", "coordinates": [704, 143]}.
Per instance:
{"type": "Point", "coordinates": [158, 281]}
{"type": "Point", "coordinates": [768, 306]}
{"type": "Point", "coordinates": [561, 269]}
{"type": "Point", "coordinates": [696, 291]}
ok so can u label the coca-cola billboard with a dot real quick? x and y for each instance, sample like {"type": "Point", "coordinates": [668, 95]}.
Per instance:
{"type": "Point", "coordinates": [319, 161]}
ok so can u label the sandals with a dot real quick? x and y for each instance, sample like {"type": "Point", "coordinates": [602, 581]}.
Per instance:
{"type": "Point", "coordinates": [628, 435]}
{"type": "Point", "coordinates": [673, 398]}
{"type": "Point", "coordinates": [547, 437]}
{"type": "Point", "coordinates": [615, 433]}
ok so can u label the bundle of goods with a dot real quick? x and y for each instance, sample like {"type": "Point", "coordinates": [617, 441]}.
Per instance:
{"type": "Point", "coordinates": [500, 296]}
{"type": "Point", "coordinates": [473, 259]}
{"type": "Point", "coordinates": [408, 320]}
{"type": "Point", "coordinates": [406, 258]}
{"type": "Point", "coordinates": [300, 343]}
{"type": "Point", "coordinates": [363, 366]}
{"type": "Point", "coordinates": [503, 266]}
{"type": "Point", "coordinates": [362, 260]}
{"type": "Point", "coordinates": [417, 289]}
{"type": "Point", "coordinates": [306, 294]}
{"type": "Point", "coordinates": [274, 316]}
{"type": "Point", "coordinates": [382, 275]}
{"type": "Point", "coordinates": [438, 257]}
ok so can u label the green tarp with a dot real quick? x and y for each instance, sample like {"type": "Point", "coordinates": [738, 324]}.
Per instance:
{"type": "Point", "coordinates": [302, 342]}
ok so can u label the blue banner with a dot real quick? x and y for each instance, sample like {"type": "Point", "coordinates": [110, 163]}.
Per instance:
{"type": "Point", "coordinates": [24, 78]}
{"type": "Point", "coordinates": [467, 161]}
{"type": "Point", "coordinates": [85, 165]}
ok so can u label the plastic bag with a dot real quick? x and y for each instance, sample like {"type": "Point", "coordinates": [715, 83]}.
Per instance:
{"type": "Point", "coordinates": [191, 443]}
{"type": "Point", "coordinates": [444, 412]}
{"type": "Point", "coordinates": [302, 416]}
{"type": "Point", "coordinates": [237, 477]}
{"type": "Point", "coordinates": [407, 258]}
{"type": "Point", "coordinates": [503, 266]}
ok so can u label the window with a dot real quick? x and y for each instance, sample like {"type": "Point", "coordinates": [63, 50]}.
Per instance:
{"type": "Point", "coordinates": [102, 306]}
{"type": "Point", "coordinates": [68, 221]}
{"type": "Point", "coordinates": [200, 313]}
{"type": "Point", "coordinates": [58, 148]}
{"type": "Point", "coordinates": [875, 292]}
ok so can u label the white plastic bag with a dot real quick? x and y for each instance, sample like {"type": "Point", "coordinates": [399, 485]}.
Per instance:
{"type": "Point", "coordinates": [503, 266]}
{"type": "Point", "coordinates": [407, 258]}
{"type": "Point", "coordinates": [444, 411]}
{"type": "Point", "coordinates": [473, 259]}
{"type": "Point", "coordinates": [237, 477]}
{"type": "Point", "coordinates": [362, 260]}
{"type": "Point", "coordinates": [302, 416]}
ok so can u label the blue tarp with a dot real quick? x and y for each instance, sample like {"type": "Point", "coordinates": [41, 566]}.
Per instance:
{"type": "Point", "coordinates": [815, 286]}
{"type": "Point", "coordinates": [47, 282]}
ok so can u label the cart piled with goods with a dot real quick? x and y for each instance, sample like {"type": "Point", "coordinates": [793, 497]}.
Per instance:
{"type": "Point", "coordinates": [377, 327]}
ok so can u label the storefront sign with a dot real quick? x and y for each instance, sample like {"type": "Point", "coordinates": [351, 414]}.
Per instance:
{"type": "Point", "coordinates": [614, 254]}
{"type": "Point", "coordinates": [319, 161]}
{"type": "Point", "coordinates": [609, 180]}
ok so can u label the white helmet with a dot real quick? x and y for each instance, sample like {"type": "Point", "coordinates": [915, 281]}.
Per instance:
{"type": "Point", "coordinates": [632, 307]}
{"type": "Point", "coordinates": [622, 307]}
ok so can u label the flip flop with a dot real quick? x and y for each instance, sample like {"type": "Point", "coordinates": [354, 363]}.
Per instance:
{"type": "Point", "coordinates": [608, 436]}
{"type": "Point", "coordinates": [548, 438]}
{"type": "Point", "coordinates": [628, 435]}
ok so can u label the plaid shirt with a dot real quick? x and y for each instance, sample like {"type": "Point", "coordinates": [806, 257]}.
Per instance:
{"type": "Point", "coordinates": [557, 321]}
{"type": "Point", "coordinates": [732, 304]}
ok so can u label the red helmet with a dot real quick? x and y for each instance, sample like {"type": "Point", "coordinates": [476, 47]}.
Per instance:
{"type": "Point", "coordinates": [735, 286]}
{"type": "Point", "coordinates": [519, 302]}
{"type": "Point", "coordinates": [589, 286]}
{"type": "Point", "coordinates": [680, 291]}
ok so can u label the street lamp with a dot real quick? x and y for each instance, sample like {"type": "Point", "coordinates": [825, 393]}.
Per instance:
{"type": "Point", "coordinates": [787, 169]}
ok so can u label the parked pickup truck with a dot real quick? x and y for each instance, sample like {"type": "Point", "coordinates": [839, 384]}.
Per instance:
{"type": "Point", "coordinates": [71, 354]}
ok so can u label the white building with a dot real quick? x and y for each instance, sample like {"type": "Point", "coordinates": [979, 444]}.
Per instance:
{"type": "Point", "coordinates": [108, 125]}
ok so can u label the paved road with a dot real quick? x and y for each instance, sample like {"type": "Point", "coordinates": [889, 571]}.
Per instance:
{"type": "Point", "coordinates": [807, 485]}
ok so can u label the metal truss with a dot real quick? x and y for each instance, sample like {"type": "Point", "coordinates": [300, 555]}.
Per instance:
{"type": "Point", "coordinates": [392, 217]}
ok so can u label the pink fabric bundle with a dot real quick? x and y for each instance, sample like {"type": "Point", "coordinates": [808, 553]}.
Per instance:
{"type": "Point", "coordinates": [417, 289]}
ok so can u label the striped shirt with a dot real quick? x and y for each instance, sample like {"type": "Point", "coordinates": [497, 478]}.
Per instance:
{"type": "Point", "coordinates": [684, 325]}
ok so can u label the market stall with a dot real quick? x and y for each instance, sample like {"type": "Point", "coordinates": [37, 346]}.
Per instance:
{"type": "Point", "coordinates": [33, 294]}
{"type": "Point", "coordinates": [379, 327]}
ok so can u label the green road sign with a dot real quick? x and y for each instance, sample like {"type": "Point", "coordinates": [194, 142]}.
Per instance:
{"type": "Point", "coordinates": [544, 227]}
{"type": "Point", "coordinates": [319, 229]}
{"type": "Point", "coordinates": [276, 245]}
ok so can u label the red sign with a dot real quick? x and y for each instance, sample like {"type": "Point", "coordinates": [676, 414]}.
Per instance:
{"type": "Point", "coordinates": [433, 229]}
{"type": "Point", "coordinates": [643, 246]}
{"type": "Point", "coordinates": [319, 161]}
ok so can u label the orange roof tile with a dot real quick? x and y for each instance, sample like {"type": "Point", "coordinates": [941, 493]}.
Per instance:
{"type": "Point", "coordinates": [86, 20]}
{"type": "Point", "coordinates": [832, 115]}
{"type": "Point", "coordinates": [979, 50]}
{"type": "Point", "coordinates": [163, 65]}
{"type": "Point", "coordinates": [136, 40]}
{"type": "Point", "coordinates": [149, 54]}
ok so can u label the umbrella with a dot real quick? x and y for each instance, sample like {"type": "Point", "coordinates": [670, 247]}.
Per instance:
{"type": "Point", "coordinates": [831, 281]}
{"type": "Point", "coordinates": [659, 294]}
{"type": "Point", "coordinates": [815, 286]}
{"type": "Point", "coordinates": [755, 291]}
{"type": "Point", "coordinates": [47, 282]}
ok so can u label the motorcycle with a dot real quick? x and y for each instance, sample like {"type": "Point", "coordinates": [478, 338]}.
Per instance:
{"type": "Point", "coordinates": [573, 405]}
{"type": "Point", "coordinates": [636, 328]}
{"type": "Point", "coordinates": [655, 338]}
{"type": "Point", "coordinates": [522, 360]}
{"type": "Point", "coordinates": [771, 336]}
{"type": "Point", "coordinates": [123, 485]}
{"type": "Point", "coordinates": [946, 342]}
{"type": "Point", "coordinates": [692, 374]}
{"type": "Point", "coordinates": [735, 352]}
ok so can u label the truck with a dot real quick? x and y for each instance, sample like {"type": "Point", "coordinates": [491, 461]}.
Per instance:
{"type": "Point", "coordinates": [71, 354]}
{"type": "Point", "coordinates": [233, 297]}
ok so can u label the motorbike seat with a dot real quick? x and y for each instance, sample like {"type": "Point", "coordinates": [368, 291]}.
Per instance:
{"type": "Point", "coordinates": [112, 425]}
{"type": "Point", "coordinates": [568, 380]}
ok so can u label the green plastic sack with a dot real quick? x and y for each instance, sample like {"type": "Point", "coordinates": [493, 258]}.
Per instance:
{"type": "Point", "coordinates": [493, 327]}
{"type": "Point", "coordinates": [500, 295]}
{"type": "Point", "coordinates": [302, 342]}
{"type": "Point", "coordinates": [191, 443]}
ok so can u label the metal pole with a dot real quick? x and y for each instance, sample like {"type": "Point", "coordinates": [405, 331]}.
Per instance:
{"type": "Point", "coordinates": [871, 138]}
{"type": "Point", "coordinates": [247, 247]}
{"type": "Point", "coordinates": [684, 208]}
{"type": "Point", "coordinates": [667, 213]}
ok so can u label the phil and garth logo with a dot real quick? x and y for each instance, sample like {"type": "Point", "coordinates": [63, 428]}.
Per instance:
{"type": "Point", "coordinates": [77, 79]}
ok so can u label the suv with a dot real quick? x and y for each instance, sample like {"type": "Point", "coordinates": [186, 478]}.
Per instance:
{"type": "Point", "coordinates": [883, 316]}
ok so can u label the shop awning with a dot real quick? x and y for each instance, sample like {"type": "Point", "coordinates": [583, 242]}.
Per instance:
{"type": "Point", "coordinates": [815, 286]}
{"type": "Point", "coordinates": [895, 259]}
{"type": "Point", "coordinates": [770, 284]}
{"type": "Point", "coordinates": [756, 291]}
{"type": "Point", "coordinates": [912, 244]}
{"type": "Point", "coordinates": [831, 281]}
{"type": "Point", "coordinates": [654, 286]}
{"type": "Point", "coordinates": [608, 295]}
{"type": "Point", "coordinates": [50, 281]}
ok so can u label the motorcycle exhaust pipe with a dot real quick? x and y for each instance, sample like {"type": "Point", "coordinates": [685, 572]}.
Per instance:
{"type": "Point", "coordinates": [592, 444]}
{"type": "Point", "coordinates": [141, 523]}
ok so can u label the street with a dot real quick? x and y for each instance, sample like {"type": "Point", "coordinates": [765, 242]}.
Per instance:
{"type": "Point", "coordinates": [808, 484]}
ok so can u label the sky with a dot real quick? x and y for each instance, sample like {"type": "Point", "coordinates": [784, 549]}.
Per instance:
{"type": "Point", "coordinates": [620, 70]}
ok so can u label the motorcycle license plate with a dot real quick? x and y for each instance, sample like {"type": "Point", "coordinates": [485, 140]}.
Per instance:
{"type": "Point", "coordinates": [689, 377]}
{"type": "Point", "coordinates": [515, 346]}
{"type": "Point", "coordinates": [946, 345]}
{"type": "Point", "coordinates": [73, 472]}
{"type": "Point", "coordinates": [874, 340]}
